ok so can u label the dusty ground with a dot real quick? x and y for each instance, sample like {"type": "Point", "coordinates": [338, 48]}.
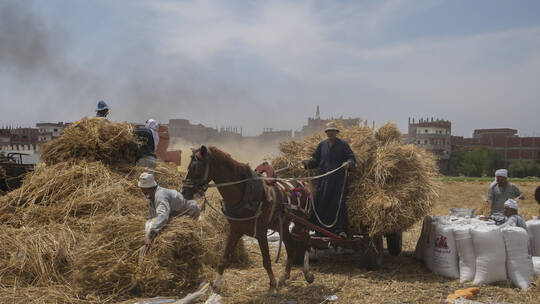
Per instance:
{"type": "Point", "coordinates": [402, 279]}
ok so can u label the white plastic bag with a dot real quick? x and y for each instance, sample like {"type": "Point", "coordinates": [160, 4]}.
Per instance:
{"type": "Point", "coordinates": [518, 261]}
{"type": "Point", "coordinates": [536, 264]}
{"type": "Point", "coordinates": [445, 257]}
{"type": "Point", "coordinates": [465, 249]}
{"type": "Point", "coordinates": [490, 254]}
{"type": "Point", "coordinates": [423, 240]}
{"type": "Point", "coordinates": [533, 226]}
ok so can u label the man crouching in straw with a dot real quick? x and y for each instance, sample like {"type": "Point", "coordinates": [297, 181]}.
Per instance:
{"type": "Point", "coordinates": [162, 204]}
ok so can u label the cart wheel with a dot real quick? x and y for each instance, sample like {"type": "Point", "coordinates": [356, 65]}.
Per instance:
{"type": "Point", "coordinates": [300, 248]}
{"type": "Point", "coordinates": [374, 255]}
{"type": "Point", "coordinates": [394, 243]}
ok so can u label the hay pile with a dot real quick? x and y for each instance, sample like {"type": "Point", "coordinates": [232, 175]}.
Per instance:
{"type": "Point", "coordinates": [72, 232]}
{"type": "Point", "coordinates": [93, 139]}
{"type": "Point", "coordinates": [392, 187]}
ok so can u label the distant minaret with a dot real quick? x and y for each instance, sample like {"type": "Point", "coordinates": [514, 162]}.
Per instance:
{"type": "Point", "coordinates": [317, 114]}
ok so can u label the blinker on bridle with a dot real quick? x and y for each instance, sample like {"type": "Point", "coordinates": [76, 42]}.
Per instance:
{"type": "Point", "coordinates": [198, 184]}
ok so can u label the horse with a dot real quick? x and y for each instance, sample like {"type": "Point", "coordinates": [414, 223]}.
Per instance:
{"type": "Point", "coordinates": [249, 210]}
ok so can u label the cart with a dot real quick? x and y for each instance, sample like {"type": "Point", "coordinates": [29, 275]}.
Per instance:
{"type": "Point", "coordinates": [370, 248]}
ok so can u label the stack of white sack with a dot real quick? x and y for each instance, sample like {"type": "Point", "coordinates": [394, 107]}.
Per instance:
{"type": "Point", "coordinates": [473, 249]}
{"type": "Point", "coordinates": [519, 264]}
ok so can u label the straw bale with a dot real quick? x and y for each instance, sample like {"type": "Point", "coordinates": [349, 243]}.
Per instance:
{"type": "Point", "coordinates": [65, 192]}
{"type": "Point", "coordinates": [392, 187]}
{"type": "Point", "coordinates": [35, 256]}
{"type": "Point", "coordinates": [93, 140]}
{"type": "Point", "coordinates": [58, 294]}
{"type": "Point", "coordinates": [387, 133]}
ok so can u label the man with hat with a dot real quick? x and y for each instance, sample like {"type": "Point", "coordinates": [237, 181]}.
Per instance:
{"type": "Point", "coordinates": [513, 219]}
{"type": "Point", "coordinates": [500, 191]}
{"type": "Point", "coordinates": [102, 109]}
{"type": "Point", "coordinates": [163, 203]}
{"type": "Point", "coordinates": [330, 154]}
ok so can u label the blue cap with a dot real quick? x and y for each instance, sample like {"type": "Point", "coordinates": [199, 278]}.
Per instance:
{"type": "Point", "coordinates": [101, 105]}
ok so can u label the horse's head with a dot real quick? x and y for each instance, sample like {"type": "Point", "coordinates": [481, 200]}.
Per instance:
{"type": "Point", "coordinates": [198, 174]}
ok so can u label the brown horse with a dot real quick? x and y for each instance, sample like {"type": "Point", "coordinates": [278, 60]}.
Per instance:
{"type": "Point", "coordinates": [251, 207]}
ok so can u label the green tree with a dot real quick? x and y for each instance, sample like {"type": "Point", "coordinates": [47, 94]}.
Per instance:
{"type": "Point", "coordinates": [474, 163]}
{"type": "Point", "coordinates": [494, 161]}
{"type": "Point", "coordinates": [524, 168]}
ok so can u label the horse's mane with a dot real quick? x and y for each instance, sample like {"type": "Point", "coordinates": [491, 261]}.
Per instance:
{"type": "Point", "coordinates": [223, 158]}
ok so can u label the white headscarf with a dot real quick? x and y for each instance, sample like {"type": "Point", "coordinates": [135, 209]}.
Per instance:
{"type": "Point", "coordinates": [501, 172]}
{"type": "Point", "coordinates": [153, 126]}
{"type": "Point", "coordinates": [510, 203]}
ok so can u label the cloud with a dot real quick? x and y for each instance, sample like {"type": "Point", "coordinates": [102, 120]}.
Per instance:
{"type": "Point", "coordinates": [257, 64]}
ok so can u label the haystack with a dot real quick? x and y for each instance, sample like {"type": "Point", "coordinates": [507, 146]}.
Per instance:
{"type": "Point", "coordinates": [389, 132]}
{"type": "Point", "coordinates": [74, 228]}
{"type": "Point", "coordinates": [93, 139]}
{"type": "Point", "coordinates": [391, 188]}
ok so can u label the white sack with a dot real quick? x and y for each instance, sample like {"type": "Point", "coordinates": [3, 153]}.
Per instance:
{"type": "Point", "coordinates": [536, 264]}
{"type": "Point", "coordinates": [423, 241]}
{"type": "Point", "coordinates": [518, 261]}
{"type": "Point", "coordinates": [534, 233]}
{"type": "Point", "coordinates": [465, 249]}
{"type": "Point", "coordinates": [490, 254]}
{"type": "Point", "coordinates": [445, 257]}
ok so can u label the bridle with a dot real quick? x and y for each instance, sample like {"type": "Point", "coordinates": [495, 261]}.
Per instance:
{"type": "Point", "coordinates": [199, 185]}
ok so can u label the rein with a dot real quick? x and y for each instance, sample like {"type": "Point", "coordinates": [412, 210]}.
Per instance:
{"type": "Point", "coordinates": [189, 184]}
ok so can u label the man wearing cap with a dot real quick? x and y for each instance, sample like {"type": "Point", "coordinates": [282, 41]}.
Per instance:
{"type": "Point", "coordinates": [500, 191]}
{"type": "Point", "coordinates": [102, 109]}
{"type": "Point", "coordinates": [330, 154]}
{"type": "Point", "coordinates": [513, 219]}
{"type": "Point", "coordinates": [163, 203]}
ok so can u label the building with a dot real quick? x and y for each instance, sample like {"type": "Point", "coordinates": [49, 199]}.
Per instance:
{"type": "Point", "coordinates": [24, 138]}
{"type": "Point", "coordinates": [49, 131]}
{"type": "Point", "coordinates": [316, 125]}
{"type": "Point", "coordinates": [434, 135]}
{"type": "Point", "coordinates": [271, 135]}
{"type": "Point", "coordinates": [503, 140]}
{"type": "Point", "coordinates": [182, 128]}
{"type": "Point", "coordinates": [5, 137]}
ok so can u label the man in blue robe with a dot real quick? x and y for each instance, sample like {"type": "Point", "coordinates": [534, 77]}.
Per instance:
{"type": "Point", "coordinates": [330, 154]}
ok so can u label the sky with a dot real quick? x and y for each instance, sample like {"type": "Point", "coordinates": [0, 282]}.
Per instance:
{"type": "Point", "coordinates": [268, 64]}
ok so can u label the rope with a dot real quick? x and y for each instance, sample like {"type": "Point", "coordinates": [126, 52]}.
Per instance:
{"type": "Point", "coordinates": [339, 206]}
{"type": "Point", "coordinates": [275, 178]}
{"type": "Point", "coordinates": [230, 217]}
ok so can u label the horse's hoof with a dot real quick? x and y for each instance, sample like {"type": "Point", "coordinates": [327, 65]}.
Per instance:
{"type": "Point", "coordinates": [217, 284]}
{"type": "Point", "coordinates": [309, 277]}
{"type": "Point", "coordinates": [271, 292]}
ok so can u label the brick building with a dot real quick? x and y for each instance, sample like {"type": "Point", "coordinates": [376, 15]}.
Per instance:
{"type": "Point", "coordinates": [503, 140]}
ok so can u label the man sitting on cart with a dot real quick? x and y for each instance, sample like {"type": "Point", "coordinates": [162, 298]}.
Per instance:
{"type": "Point", "coordinates": [330, 154]}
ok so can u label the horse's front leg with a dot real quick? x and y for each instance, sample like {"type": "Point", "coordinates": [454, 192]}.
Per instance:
{"type": "Point", "coordinates": [265, 252]}
{"type": "Point", "coordinates": [232, 240]}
